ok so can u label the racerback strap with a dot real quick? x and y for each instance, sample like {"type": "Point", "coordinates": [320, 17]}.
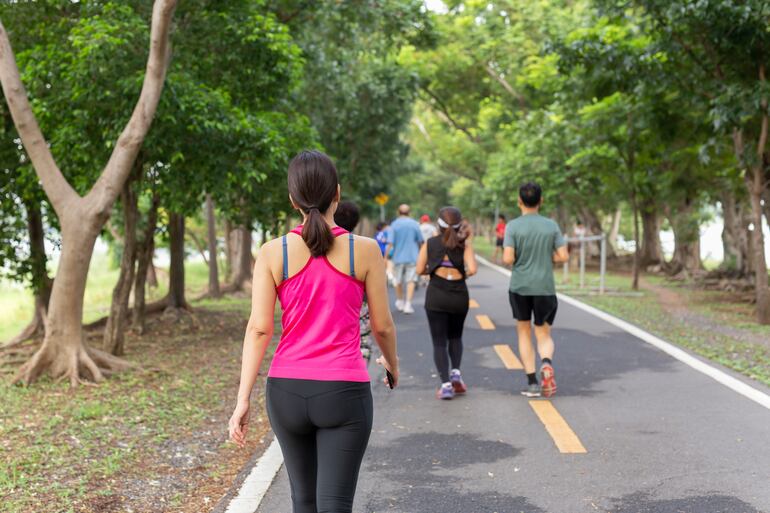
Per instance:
{"type": "Point", "coordinates": [285, 260]}
{"type": "Point", "coordinates": [352, 256]}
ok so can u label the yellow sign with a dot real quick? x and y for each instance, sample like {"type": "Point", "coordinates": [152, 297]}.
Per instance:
{"type": "Point", "coordinates": [381, 198]}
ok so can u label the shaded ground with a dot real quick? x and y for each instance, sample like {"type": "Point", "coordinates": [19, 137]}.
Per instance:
{"type": "Point", "coordinates": [147, 440]}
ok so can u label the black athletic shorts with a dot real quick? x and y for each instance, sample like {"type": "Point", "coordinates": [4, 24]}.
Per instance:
{"type": "Point", "coordinates": [499, 242]}
{"type": "Point", "coordinates": [544, 308]}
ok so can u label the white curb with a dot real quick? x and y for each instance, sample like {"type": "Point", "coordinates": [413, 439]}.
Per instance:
{"type": "Point", "coordinates": [258, 481]}
{"type": "Point", "coordinates": [722, 377]}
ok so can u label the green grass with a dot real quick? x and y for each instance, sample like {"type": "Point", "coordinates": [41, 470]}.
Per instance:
{"type": "Point", "coordinates": [16, 302]}
{"type": "Point", "coordinates": [647, 312]}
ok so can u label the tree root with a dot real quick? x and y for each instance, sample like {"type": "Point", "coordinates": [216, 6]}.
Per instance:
{"type": "Point", "coordinates": [80, 365]}
{"type": "Point", "coordinates": [150, 308]}
{"type": "Point", "coordinates": [177, 312]}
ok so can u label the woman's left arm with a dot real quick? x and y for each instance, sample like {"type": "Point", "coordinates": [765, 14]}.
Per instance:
{"type": "Point", "coordinates": [469, 256]}
{"type": "Point", "coordinates": [259, 332]}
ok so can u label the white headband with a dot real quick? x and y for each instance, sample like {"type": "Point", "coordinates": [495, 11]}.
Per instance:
{"type": "Point", "coordinates": [444, 224]}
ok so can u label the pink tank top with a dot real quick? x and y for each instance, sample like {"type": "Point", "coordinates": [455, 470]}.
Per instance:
{"type": "Point", "coordinates": [321, 337]}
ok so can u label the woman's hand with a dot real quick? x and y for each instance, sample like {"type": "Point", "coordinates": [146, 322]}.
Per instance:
{"type": "Point", "coordinates": [238, 424]}
{"type": "Point", "coordinates": [393, 369]}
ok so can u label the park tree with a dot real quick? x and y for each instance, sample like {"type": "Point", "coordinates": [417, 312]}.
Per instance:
{"type": "Point", "coordinates": [354, 90]}
{"type": "Point", "coordinates": [63, 353]}
{"type": "Point", "coordinates": [726, 44]}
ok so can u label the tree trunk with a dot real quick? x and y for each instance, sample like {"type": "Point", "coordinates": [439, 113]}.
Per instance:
{"type": "Point", "coordinates": [176, 297]}
{"type": "Point", "coordinates": [651, 250]}
{"type": "Point", "coordinates": [212, 247]}
{"type": "Point", "coordinates": [63, 353]}
{"type": "Point", "coordinates": [41, 283]}
{"type": "Point", "coordinates": [594, 226]}
{"type": "Point", "coordinates": [612, 238]}
{"type": "Point", "coordinates": [756, 189]}
{"type": "Point", "coordinates": [635, 279]}
{"type": "Point", "coordinates": [152, 273]}
{"type": "Point", "coordinates": [243, 264]}
{"type": "Point", "coordinates": [144, 266]}
{"type": "Point", "coordinates": [114, 330]}
{"type": "Point", "coordinates": [228, 250]}
{"type": "Point", "coordinates": [734, 235]}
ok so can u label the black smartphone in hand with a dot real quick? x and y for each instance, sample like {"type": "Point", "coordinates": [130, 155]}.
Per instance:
{"type": "Point", "coordinates": [390, 378]}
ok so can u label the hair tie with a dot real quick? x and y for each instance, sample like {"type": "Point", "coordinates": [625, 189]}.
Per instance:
{"type": "Point", "coordinates": [313, 208]}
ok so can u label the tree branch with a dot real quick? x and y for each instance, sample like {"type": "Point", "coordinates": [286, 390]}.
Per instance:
{"type": "Point", "coordinates": [106, 189]}
{"type": "Point", "coordinates": [62, 196]}
{"type": "Point", "coordinates": [445, 111]}
{"type": "Point", "coordinates": [503, 82]}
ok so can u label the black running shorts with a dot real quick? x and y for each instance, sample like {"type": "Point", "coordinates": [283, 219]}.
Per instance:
{"type": "Point", "coordinates": [544, 308]}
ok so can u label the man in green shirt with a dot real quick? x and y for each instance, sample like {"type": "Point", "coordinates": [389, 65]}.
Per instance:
{"type": "Point", "coordinates": [532, 243]}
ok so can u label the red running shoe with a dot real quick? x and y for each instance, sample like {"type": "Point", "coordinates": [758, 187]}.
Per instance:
{"type": "Point", "coordinates": [457, 382]}
{"type": "Point", "coordinates": [547, 381]}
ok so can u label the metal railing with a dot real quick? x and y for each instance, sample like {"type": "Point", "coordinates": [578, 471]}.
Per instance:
{"type": "Point", "coordinates": [602, 259]}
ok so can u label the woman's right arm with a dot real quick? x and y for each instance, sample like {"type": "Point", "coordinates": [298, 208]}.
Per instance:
{"type": "Point", "coordinates": [422, 259]}
{"type": "Point", "coordinates": [259, 332]}
{"type": "Point", "coordinates": [383, 328]}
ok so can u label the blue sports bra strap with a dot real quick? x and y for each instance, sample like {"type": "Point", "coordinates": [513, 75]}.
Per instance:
{"type": "Point", "coordinates": [285, 260]}
{"type": "Point", "coordinates": [352, 255]}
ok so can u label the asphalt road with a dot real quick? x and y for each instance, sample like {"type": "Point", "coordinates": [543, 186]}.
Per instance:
{"type": "Point", "coordinates": [659, 436]}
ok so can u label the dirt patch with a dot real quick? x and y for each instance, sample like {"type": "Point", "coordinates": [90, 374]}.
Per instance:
{"type": "Point", "coordinates": [684, 305]}
{"type": "Point", "coordinates": [148, 440]}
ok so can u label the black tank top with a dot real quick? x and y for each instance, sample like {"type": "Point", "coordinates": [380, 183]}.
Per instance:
{"type": "Point", "coordinates": [437, 251]}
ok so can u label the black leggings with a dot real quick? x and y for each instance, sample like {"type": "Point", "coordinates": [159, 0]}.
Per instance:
{"type": "Point", "coordinates": [323, 428]}
{"type": "Point", "coordinates": [446, 330]}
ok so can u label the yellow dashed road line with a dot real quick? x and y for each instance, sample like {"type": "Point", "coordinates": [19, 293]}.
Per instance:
{"type": "Point", "coordinates": [473, 304]}
{"type": "Point", "coordinates": [508, 357]}
{"type": "Point", "coordinates": [485, 322]}
{"type": "Point", "coordinates": [563, 436]}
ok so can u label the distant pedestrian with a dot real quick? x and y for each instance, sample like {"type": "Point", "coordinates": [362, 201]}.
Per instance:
{"type": "Point", "coordinates": [347, 216]}
{"type": "Point", "coordinates": [405, 240]}
{"type": "Point", "coordinates": [318, 395]}
{"type": "Point", "coordinates": [533, 243]}
{"type": "Point", "coordinates": [381, 236]}
{"type": "Point", "coordinates": [499, 236]}
{"type": "Point", "coordinates": [448, 259]}
{"type": "Point", "coordinates": [427, 229]}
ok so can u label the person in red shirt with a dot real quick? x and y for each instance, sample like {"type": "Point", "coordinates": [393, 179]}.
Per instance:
{"type": "Point", "coordinates": [500, 234]}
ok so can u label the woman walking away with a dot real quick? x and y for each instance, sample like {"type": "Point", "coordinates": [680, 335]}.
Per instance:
{"type": "Point", "coordinates": [318, 394]}
{"type": "Point", "coordinates": [449, 259]}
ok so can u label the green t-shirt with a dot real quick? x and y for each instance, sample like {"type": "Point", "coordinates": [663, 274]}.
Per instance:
{"type": "Point", "coordinates": [534, 238]}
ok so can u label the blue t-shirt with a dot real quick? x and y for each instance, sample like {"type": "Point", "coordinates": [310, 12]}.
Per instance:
{"type": "Point", "coordinates": [406, 238]}
{"type": "Point", "coordinates": [382, 240]}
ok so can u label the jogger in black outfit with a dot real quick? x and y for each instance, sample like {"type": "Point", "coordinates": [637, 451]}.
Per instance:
{"type": "Point", "coordinates": [449, 259]}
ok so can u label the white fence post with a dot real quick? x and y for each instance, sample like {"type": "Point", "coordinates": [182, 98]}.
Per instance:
{"type": "Point", "coordinates": [582, 262]}
{"type": "Point", "coordinates": [602, 263]}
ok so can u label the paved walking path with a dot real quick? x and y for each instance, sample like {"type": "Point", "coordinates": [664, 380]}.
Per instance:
{"type": "Point", "coordinates": [631, 429]}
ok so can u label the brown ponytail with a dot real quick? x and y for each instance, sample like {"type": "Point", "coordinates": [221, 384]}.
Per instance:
{"type": "Point", "coordinates": [313, 187]}
{"type": "Point", "coordinates": [454, 229]}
